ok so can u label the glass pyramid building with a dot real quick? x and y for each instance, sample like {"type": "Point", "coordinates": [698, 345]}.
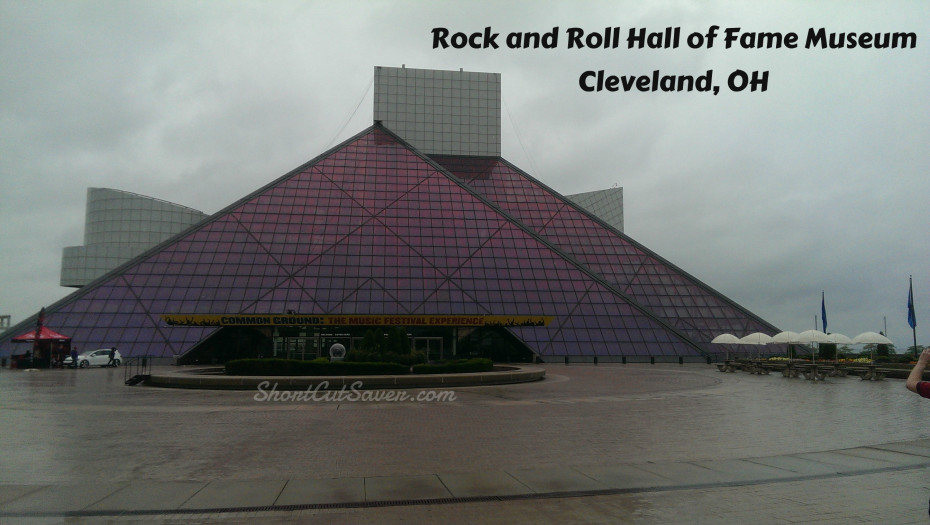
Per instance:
{"type": "Point", "coordinates": [375, 227]}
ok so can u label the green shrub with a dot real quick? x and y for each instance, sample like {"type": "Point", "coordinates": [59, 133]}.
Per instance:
{"type": "Point", "coordinates": [317, 367]}
{"type": "Point", "coordinates": [361, 356]}
{"type": "Point", "coordinates": [259, 367]}
{"type": "Point", "coordinates": [409, 359]}
{"type": "Point", "coordinates": [397, 341]}
{"type": "Point", "coordinates": [461, 366]}
{"type": "Point", "coordinates": [371, 343]}
{"type": "Point", "coordinates": [324, 367]}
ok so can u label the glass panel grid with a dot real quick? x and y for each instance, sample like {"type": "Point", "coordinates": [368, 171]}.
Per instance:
{"type": "Point", "coordinates": [648, 280]}
{"type": "Point", "coordinates": [371, 228]}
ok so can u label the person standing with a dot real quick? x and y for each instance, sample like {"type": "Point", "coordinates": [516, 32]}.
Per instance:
{"type": "Point", "coordinates": [915, 382]}
{"type": "Point", "coordinates": [112, 361]}
{"type": "Point", "coordinates": [74, 356]}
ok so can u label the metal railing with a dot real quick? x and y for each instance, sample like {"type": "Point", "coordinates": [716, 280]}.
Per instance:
{"type": "Point", "coordinates": [136, 369]}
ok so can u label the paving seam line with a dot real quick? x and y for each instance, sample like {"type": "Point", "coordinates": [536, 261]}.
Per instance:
{"type": "Point", "coordinates": [453, 500]}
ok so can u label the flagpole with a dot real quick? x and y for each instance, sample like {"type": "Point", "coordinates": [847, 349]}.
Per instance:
{"type": "Point", "coordinates": [812, 343]}
{"type": "Point", "coordinates": [40, 321]}
{"type": "Point", "coordinates": [823, 313]}
{"type": "Point", "coordinates": [823, 310]}
{"type": "Point", "coordinates": [911, 315]}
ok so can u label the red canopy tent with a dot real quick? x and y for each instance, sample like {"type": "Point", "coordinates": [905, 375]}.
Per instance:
{"type": "Point", "coordinates": [45, 334]}
{"type": "Point", "coordinates": [48, 349]}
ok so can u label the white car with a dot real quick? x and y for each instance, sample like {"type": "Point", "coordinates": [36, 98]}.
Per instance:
{"type": "Point", "coordinates": [99, 357]}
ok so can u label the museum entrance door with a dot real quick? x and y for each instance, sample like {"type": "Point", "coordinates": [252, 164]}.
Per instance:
{"type": "Point", "coordinates": [431, 346]}
{"type": "Point", "coordinates": [297, 347]}
{"type": "Point", "coordinates": [308, 346]}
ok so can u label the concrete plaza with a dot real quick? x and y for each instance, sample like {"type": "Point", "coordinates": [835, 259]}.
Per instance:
{"type": "Point", "coordinates": [589, 444]}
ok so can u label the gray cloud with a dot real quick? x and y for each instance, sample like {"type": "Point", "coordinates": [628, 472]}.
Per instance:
{"type": "Point", "coordinates": [816, 184]}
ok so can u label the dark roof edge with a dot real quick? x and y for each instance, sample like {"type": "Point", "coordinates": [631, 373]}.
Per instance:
{"type": "Point", "coordinates": [80, 292]}
{"type": "Point", "coordinates": [597, 278]}
{"type": "Point", "coordinates": [640, 246]}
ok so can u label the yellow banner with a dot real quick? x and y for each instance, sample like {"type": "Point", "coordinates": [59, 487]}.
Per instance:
{"type": "Point", "coordinates": [353, 320]}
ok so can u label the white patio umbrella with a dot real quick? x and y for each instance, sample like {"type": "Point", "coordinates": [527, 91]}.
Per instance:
{"type": "Point", "coordinates": [838, 339]}
{"type": "Point", "coordinates": [785, 337]}
{"type": "Point", "coordinates": [726, 339]}
{"type": "Point", "coordinates": [756, 338]}
{"type": "Point", "coordinates": [811, 337]}
{"type": "Point", "coordinates": [871, 338]}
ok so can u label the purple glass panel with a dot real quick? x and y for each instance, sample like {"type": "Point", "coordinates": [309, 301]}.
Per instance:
{"type": "Point", "coordinates": [589, 241]}
{"type": "Point", "coordinates": [375, 228]}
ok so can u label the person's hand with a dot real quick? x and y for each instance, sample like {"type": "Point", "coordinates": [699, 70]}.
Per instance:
{"type": "Point", "coordinates": [924, 356]}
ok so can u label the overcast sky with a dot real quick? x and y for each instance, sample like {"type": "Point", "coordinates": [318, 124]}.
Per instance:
{"type": "Point", "coordinates": [820, 183]}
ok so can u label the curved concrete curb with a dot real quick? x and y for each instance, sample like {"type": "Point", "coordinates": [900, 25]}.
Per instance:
{"type": "Point", "coordinates": [187, 379]}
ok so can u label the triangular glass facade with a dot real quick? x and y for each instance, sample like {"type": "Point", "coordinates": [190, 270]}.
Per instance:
{"type": "Point", "coordinates": [667, 291]}
{"type": "Point", "coordinates": [373, 227]}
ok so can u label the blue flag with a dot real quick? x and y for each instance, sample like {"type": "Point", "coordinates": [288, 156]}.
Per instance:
{"type": "Point", "coordinates": [911, 317]}
{"type": "Point", "coordinates": [823, 311]}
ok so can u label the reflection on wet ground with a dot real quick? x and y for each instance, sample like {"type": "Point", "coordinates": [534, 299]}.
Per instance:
{"type": "Point", "coordinates": [83, 426]}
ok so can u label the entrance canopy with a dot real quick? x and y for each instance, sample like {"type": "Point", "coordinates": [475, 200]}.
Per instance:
{"type": "Point", "coordinates": [45, 334]}
{"type": "Point", "coordinates": [354, 320]}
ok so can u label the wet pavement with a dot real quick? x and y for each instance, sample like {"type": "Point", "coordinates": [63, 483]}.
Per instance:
{"type": "Point", "coordinates": [635, 443]}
